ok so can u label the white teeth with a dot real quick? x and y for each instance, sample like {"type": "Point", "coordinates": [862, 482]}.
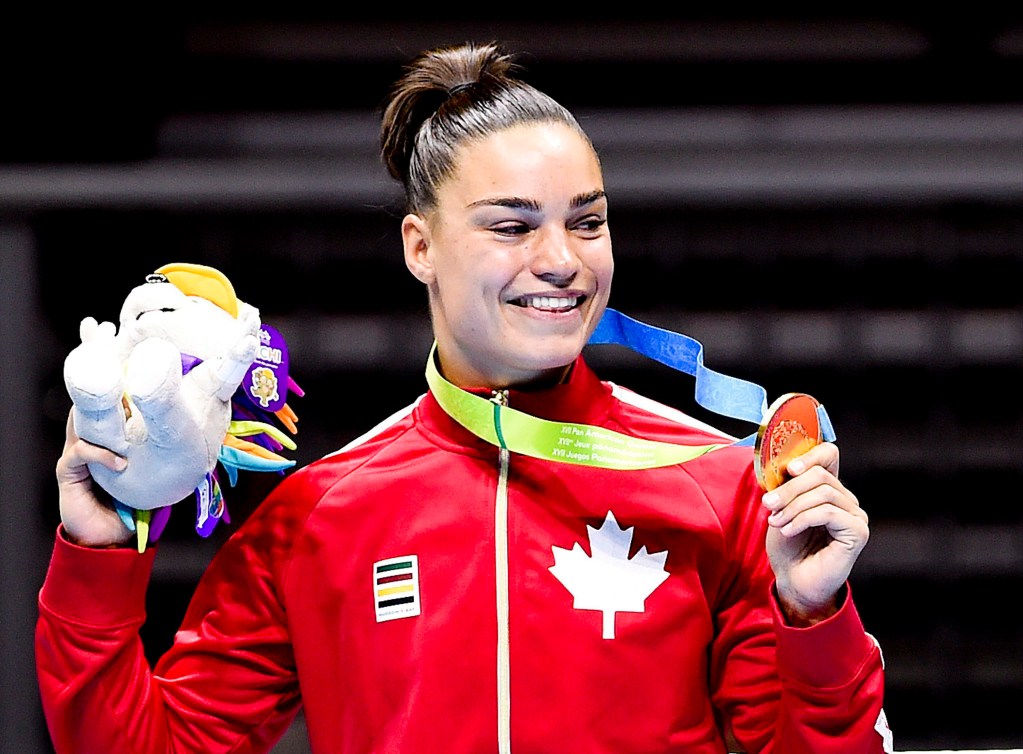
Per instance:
{"type": "Point", "coordinates": [550, 302]}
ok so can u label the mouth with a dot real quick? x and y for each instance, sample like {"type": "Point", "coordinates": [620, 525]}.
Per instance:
{"type": "Point", "coordinates": [549, 303]}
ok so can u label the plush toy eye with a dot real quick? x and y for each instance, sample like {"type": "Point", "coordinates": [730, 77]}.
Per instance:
{"type": "Point", "coordinates": [156, 277]}
{"type": "Point", "coordinates": [150, 311]}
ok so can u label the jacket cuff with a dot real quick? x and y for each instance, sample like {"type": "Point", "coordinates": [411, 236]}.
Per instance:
{"type": "Point", "coordinates": [96, 586]}
{"type": "Point", "coordinates": [827, 654]}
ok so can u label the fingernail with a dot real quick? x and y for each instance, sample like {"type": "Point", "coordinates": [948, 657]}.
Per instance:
{"type": "Point", "coordinates": [120, 464]}
{"type": "Point", "coordinates": [795, 466]}
{"type": "Point", "coordinates": [770, 499]}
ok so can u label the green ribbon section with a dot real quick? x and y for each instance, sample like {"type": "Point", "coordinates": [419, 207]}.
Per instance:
{"type": "Point", "coordinates": [247, 428]}
{"type": "Point", "coordinates": [581, 444]}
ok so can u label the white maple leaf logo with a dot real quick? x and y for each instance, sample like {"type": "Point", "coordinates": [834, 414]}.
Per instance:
{"type": "Point", "coordinates": [609, 580]}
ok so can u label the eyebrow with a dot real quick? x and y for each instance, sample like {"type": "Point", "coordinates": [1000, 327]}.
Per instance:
{"type": "Point", "coordinates": [513, 202]}
{"type": "Point", "coordinates": [583, 199]}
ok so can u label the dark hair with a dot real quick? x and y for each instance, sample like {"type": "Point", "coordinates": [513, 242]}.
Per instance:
{"type": "Point", "coordinates": [449, 96]}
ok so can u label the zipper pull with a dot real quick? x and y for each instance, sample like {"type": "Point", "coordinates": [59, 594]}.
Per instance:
{"type": "Point", "coordinates": [500, 400]}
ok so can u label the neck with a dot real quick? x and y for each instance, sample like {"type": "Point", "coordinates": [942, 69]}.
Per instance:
{"type": "Point", "coordinates": [542, 380]}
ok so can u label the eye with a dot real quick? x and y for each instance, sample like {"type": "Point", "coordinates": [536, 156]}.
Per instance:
{"type": "Point", "coordinates": [590, 223]}
{"type": "Point", "coordinates": [150, 311]}
{"type": "Point", "coordinates": [511, 228]}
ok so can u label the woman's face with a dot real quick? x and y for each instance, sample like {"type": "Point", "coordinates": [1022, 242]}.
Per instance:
{"type": "Point", "coordinates": [516, 256]}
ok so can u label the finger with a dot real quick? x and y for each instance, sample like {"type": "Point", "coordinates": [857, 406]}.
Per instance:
{"type": "Point", "coordinates": [824, 454]}
{"type": "Point", "coordinates": [818, 498]}
{"type": "Point", "coordinates": [70, 435]}
{"type": "Point", "coordinates": [815, 487]}
{"type": "Point", "coordinates": [73, 464]}
{"type": "Point", "coordinates": [77, 449]}
{"type": "Point", "coordinates": [843, 527]}
{"type": "Point", "coordinates": [103, 456]}
{"type": "Point", "coordinates": [807, 479]}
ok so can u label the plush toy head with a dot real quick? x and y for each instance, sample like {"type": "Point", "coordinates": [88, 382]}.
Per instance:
{"type": "Point", "coordinates": [164, 390]}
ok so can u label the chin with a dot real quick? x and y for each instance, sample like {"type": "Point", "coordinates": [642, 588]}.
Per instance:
{"type": "Point", "coordinates": [544, 357]}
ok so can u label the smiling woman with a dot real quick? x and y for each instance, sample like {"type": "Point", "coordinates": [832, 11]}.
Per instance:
{"type": "Point", "coordinates": [507, 222]}
{"type": "Point", "coordinates": [428, 589]}
{"type": "Point", "coordinates": [516, 256]}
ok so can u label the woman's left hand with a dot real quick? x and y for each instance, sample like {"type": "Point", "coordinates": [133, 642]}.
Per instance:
{"type": "Point", "coordinates": [816, 532]}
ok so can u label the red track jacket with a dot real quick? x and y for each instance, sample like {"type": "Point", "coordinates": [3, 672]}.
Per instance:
{"type": "Point", "coordinates": [421, 591]}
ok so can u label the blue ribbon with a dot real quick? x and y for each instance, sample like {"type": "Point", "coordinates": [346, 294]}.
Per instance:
{"type": "Point", "coordinates": [717, 392]}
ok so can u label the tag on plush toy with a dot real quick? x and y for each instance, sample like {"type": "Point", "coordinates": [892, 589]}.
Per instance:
{"type": "Point", "coordinates": [170, 389]}
{"type": "Point", "coordinates": [210, 507]}
{"type": "Point", "coordinates": [267, 379]}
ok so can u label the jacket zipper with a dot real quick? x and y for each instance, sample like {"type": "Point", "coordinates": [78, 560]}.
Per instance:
{"type": "Point", "coordinates": [500, 397]}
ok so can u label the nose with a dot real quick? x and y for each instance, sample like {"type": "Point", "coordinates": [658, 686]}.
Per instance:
{"type": "Point", "coordinates": [555, 261]}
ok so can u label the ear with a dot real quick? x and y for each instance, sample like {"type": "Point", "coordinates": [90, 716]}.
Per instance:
{"type": "Point", "coordinates": [415, 238]}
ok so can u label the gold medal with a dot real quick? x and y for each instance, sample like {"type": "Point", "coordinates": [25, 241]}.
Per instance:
{"type": "Point", "coordinates": [791, 427]}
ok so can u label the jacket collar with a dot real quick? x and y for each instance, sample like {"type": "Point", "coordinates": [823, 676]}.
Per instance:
{"type": "Point", "coordinates": [580, 399]}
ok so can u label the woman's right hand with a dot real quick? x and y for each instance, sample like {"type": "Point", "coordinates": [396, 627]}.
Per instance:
{"type": "Point", "coordinates": [88, 517]}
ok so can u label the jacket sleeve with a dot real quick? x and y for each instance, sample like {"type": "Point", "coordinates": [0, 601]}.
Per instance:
{"type": "Point", "coordinates": [786, 690]}
{"type": "Point", "coordinates": [227, 684]}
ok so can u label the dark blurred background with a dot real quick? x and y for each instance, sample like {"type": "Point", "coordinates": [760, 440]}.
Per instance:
{"type": "Point", "coordinates": [830, 203]}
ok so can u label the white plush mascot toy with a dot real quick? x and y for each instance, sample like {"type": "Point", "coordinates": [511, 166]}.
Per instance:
{"type": "Point", "coordinates": [165, 390]}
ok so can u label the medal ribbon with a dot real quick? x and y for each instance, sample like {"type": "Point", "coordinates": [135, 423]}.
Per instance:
{"type": "Point", "coordinates": [724, 395]}
{"type": "Point", "coordinates": [588, 445]}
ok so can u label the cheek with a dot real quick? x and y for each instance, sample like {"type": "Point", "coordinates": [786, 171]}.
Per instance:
{"type": "Point", "coordinates": [463, 292]}
{"type": "Point", "coordinates": [601, 263]}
